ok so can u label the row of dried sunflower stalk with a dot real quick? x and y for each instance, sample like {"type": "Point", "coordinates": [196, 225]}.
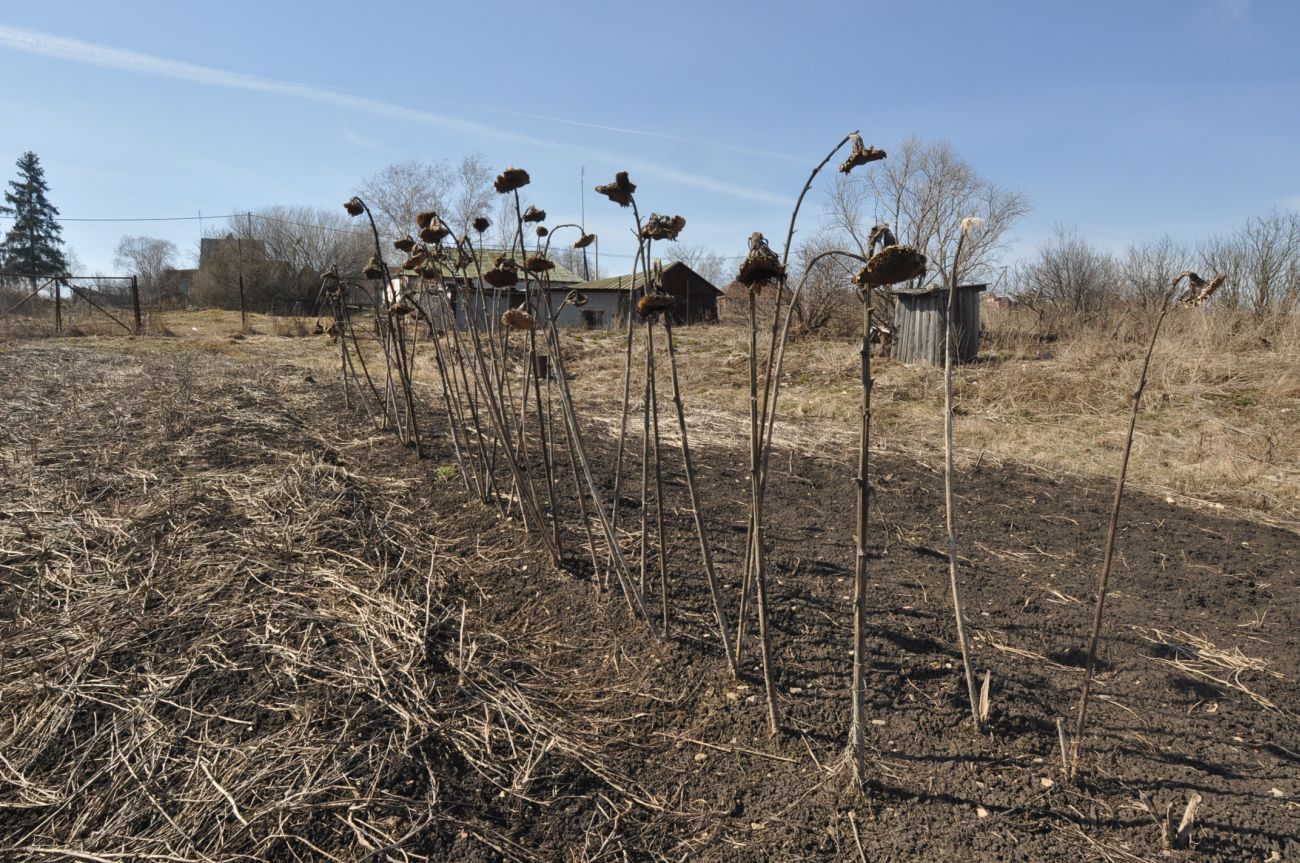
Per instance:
{"type": "Point", "coordinates": [502, 405]}
{"type": "Point", "coordinates": [518, 437]}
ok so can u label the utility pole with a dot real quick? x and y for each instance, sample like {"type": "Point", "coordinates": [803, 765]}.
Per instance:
{"type": "Point", "coordinates": [239, 250]}
{"type": "Point", "coordinates": [582, 203]}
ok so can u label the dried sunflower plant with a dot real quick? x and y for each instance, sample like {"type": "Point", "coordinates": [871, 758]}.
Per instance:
{"type": "Point", "coordinates": [391, 335]}
{"type": "Point", "coordinates": [487, 318]}
{"type": "Point", "coordinates": [978, 705]}
{"type": "Point", "coordinates": [1199, 291]}
{"type": "Point", "coordinates": [656, 307]}
{"type": "Point", "coordinates": [763, 269]}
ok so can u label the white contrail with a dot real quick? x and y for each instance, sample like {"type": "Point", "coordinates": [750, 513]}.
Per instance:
{"type": "Point", "coordinates": [77, 51]}
{"type": "Point", "coordinates": [663, 136]}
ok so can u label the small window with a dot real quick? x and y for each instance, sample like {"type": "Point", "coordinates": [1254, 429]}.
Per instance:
{"type": "Point", "coordinates": [593, 319]}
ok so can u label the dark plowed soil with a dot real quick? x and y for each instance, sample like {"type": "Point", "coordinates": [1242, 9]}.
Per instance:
{"type": "Point", "coordinates": [613, 744]}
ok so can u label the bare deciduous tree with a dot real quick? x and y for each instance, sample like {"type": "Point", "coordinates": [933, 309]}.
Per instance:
{"type": "Point", "coordinates": [710, 265]}
{"type": "Point", "coordinates": [471, 194]}
{"type": "Point", "coordinates": [307, 239]}
{"type": "Point", "coordinates": [923, 191]}
{"type": "Point", "coordinates": [281, 251]}
{"type": "Point", "coordinates": [401, 191]}
{"type": "Point", "coordinates": [147, 258]}
{"type": "Point", "coordinates": [827, 303]}
{"type": "Point", "coordinates": [1261, 260]}
{"type": "Point", "coordinates": [1067, 276]}
{"type": "Point", "coordinates": [1146, 270]}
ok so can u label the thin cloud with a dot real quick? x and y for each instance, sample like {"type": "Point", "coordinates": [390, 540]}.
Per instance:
{"type": "Point", "coordinates": [77, 51]}
{"type": "Point", "coordinates": [1236, 10]}
{"type": "Point", "coordinates": [352, 136]}
{"type": "Point", "coordinates": [663, 136]}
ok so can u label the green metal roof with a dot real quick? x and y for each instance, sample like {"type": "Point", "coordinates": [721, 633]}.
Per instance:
{"type": "Point", "coordinates": [613, 283]}
{"type": "Point", "coordinates": [487, 257]}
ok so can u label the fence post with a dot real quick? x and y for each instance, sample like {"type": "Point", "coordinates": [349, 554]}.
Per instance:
{"type": "Point", "coordinates": [135, 303]}
{"type": "Point", "coordinates": [58, 306]}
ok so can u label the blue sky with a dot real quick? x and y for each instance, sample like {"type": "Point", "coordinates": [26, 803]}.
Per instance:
{"type": "Point", "coordinates": [1128, 120]}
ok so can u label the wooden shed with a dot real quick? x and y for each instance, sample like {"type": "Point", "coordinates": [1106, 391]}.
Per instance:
{"type": "Point", "coordinates": [919, 323]}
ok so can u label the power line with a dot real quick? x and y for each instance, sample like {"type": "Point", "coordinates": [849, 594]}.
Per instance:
{"type": "Point", "coordinates": [316, 227]}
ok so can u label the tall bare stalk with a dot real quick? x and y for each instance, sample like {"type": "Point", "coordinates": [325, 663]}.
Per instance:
{"type": "Point", "coordinates": [639, 261]}
{"type": "Point", "coordinates": [767, 412]}
{"type": "Point", "coordinates": [857, 726]}
{"type": "Point", "coordinates": [756, 504]}
{"type": "Point", "coordinates": [954, 580]}
{"type": "Point", "coordinates": [1094, 637]}
{"type": "Point", "coordinates": [653, 408]}
{"type": "Point", "coordinates": [706, 551]}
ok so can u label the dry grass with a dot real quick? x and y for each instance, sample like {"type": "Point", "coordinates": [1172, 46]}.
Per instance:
{"type": "Point", "coordinates": [223, 638]}
{"type": "Point", "coordinates": [1217, 425]}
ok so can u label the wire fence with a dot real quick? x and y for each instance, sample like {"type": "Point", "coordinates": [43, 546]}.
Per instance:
{"type": "Point", "coordinates": [39, 305]}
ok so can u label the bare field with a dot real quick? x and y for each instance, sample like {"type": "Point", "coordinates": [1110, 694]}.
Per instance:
{"type": "Point", "coordinates": [237, 624]}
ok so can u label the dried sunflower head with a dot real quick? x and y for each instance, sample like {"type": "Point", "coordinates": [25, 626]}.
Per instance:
{"type": "Point", "coordinates": [320, 329]}
{"type": "Point", "coordinates": [504, 273]}
{"type": "Point", "coordinates": [541, 231]}
{"type": "Point", "coordinates": [354, 206]}
{"type": "Point", "coordinates": [430, 270]}
{"type": "Point", "coordinates": [517, 319]}
{"type": "Point", "coordinates": [405, 244]}
{"type": "Point", "coordinates": [510, 179]}
{"type": "Point", "coordinates": [532, 214]}
{"type": "Point", "coordinates": [1201, 290]}
{"type": "Point", "coordinates": [434, 230]}
{"type": "Point", "coordinates": [423, 219]}
{"type": "Point", "coordinates": [584, 241]}
{"type": "Point", "coordinates": [481, 224]}
{"type": "Point", "coordinates": [330, 275]}
{"type": "Point", "coordinates": [401, 307]}
{"type": "Point", "coordinates": [860, 155]}
{"type": "Point", "coordinates": [891, 265]}
{"type": "Point", "coordinates": [538, 264]}
{"type": "Point", "coordinates": [652, 304]}
{"type": "Point", "coordinates": [374, 269]}
{"type": "Point", "coordinates": [659, 227]}
{"type": "Point", "coordinates": [1208, 290]}
{"type": "Point", "coordinates": [574, 298]}
{"type": "Point", "coordinates": [760, 266]}
{"type": "Point", "coordinates": [620, 191]}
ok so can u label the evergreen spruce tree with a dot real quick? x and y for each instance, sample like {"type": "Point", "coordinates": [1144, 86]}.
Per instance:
{"type": "Point", "coordinates": [34, 244]}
